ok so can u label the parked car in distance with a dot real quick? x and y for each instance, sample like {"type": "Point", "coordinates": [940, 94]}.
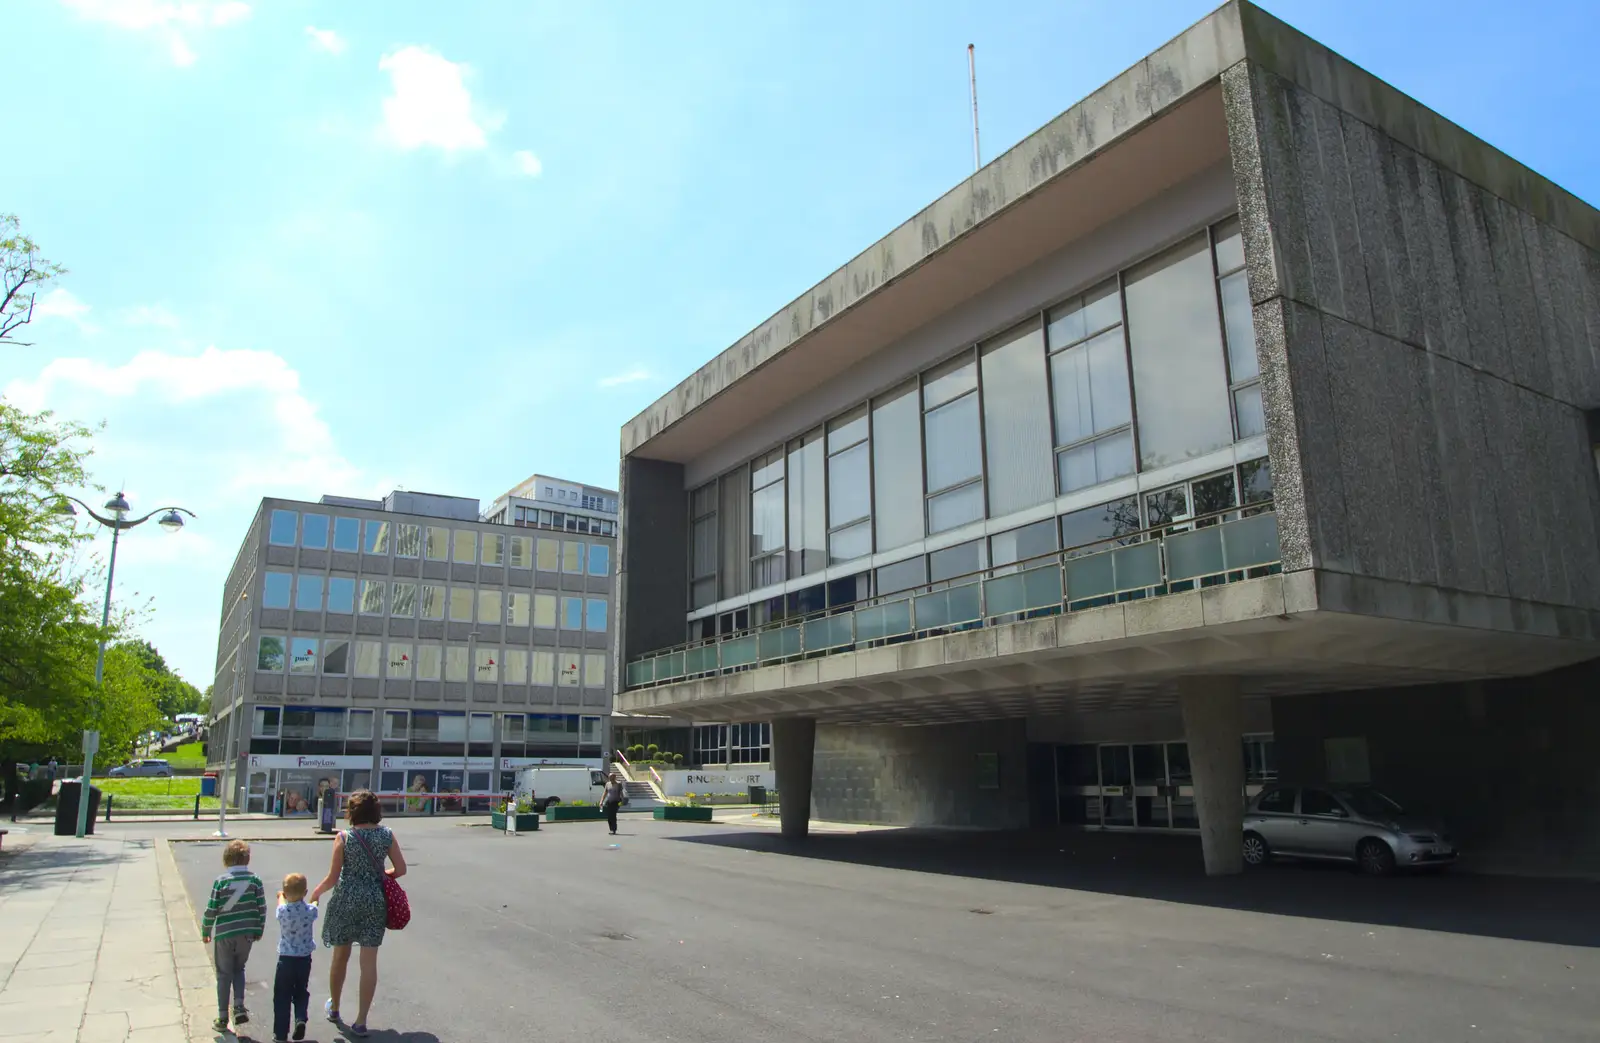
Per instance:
{"type": "Point", "coordinates": [1342, 824]}
{"type": "Point", "coordinates": [146, 768]}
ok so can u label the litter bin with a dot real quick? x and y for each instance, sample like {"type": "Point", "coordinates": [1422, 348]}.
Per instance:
{"type": "Point", "coordinates": [67, 808]}
{"type": "Point", "coordinates": [758, 794]}
{"type": "Point", "coordinates": [208, 784]}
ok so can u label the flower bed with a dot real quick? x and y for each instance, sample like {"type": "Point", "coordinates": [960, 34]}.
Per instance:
{"type": "Point", "coordinates": [571, 813]}
{"type": "Point", "coordinates": [527, 821]}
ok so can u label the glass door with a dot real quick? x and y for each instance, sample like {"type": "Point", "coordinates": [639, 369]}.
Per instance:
{"type": "Point", "coordinates": [256, 793]}
{"type": "Point", "coordinates": [1116, 786]}
{"type": "Point", "coordinates": [1150, 785]}
{"type": "Point", "coordinates": [1180, 787]}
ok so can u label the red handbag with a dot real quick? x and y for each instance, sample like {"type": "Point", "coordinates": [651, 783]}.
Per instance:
{"type": "Point", "coordinates": [397, 905]}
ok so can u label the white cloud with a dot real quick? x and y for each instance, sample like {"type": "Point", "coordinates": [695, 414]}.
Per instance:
{"type": "Point", "coordinates": [430, 103]}
{"type": "Point", "coordinates": [149, 315]}
{"type": "Point", "coordinates": [167, 16]}
{"type": "Point", "coordinates": [326, 39]}
{"type": "Point", "coordinates": [633, 376]}
{"type": "Point", "coordinates": [61, 303]}
{"type": "Point", "coordinates": [527, 163]}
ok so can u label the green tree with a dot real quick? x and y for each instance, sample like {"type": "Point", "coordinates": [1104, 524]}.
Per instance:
{"type": "Point", "coordinates": [23, 273]}
{"type": "Point", "coordinates": [173, 694]}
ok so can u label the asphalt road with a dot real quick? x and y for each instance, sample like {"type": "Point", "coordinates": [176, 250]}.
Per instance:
{"type": "Point", "coordinates": [723, 934]}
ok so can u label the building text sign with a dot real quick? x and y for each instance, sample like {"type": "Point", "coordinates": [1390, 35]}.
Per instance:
{"type": "Point", "coordinates": [678, 783]}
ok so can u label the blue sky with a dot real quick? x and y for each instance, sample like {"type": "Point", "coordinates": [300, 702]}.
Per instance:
{"type": "Point", "coordinates": [343, 247]}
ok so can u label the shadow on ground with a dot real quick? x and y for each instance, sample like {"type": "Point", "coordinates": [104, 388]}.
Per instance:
{"type": "Point", "coordinates": [41, 865]}
{"type": "Point", "coordinates": [1167, 868]}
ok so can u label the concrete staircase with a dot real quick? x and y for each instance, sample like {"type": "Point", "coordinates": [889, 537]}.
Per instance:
{"type": "Point", "coordinates": [642, 797]}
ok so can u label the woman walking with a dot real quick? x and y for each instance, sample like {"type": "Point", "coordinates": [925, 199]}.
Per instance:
{"type": "Point", "coordinates": [357, 913]}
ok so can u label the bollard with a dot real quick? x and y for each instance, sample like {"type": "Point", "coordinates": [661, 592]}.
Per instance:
{"type": "Point", "coordinates": [197, 807]}
{"type": "Point", "coordinates": [109, 798]}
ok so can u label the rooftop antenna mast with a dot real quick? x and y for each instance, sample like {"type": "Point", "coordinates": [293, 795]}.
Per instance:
{"type": "Point", "coordinates": [972, 79]}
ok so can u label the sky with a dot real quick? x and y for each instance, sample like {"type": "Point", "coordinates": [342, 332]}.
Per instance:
{"type": "Point", "coordinates": [346, 247]}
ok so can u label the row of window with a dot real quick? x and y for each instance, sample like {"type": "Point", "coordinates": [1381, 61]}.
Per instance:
{"type": "Point", "coordinates": [334, 723]}
{"type": "Point", "coordinates": [307, 592]}
{"type": "Point", "coordinates": [1152, 367]}
{"type": "Point", "coordinates": [437, 543]}
{"type": "Point", "coordinates": [427, 661]}
{"type": "Point", "coordinates": [1200, 502]}
{"type": "Point", "coordinates": [749, 743]}
{"type": "Point", "coordinates": [537, 517]}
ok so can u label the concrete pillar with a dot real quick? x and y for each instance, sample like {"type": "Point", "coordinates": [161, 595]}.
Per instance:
{"type": "Point", "coordinates": [794, 743]}
{"type": "Point", "coordinates": [1213, 726]}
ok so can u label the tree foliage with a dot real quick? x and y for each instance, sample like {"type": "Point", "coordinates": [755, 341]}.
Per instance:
{"type": "Point", "coordinates": [23, 273]}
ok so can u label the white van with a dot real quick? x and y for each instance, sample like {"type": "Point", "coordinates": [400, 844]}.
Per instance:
{"type": "Point", "coordinates": [545, 786]}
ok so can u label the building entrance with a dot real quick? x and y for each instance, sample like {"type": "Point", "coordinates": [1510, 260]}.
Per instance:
{"type": "Point", "coordinates": [1142, 785]}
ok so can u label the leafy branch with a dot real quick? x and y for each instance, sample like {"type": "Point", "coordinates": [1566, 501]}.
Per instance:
{"type": "Point", "coordinates": [22, 274]}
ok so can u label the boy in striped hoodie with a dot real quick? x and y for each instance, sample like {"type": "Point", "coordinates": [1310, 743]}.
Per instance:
{"type": "Point", "coordinates": [236, 918]}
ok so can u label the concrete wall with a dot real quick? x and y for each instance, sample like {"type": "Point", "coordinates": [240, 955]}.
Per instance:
{"type": "Point", "coordinates": [652, 578]}
{"type": "Point", "coordinates": [1509, 764]}
{"type": "Point", "coordinates": [921, 776]}
{"type": "Point", "coordinates": [1428, 344]}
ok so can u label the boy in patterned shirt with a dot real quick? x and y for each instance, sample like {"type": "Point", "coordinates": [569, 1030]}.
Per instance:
{"type": "Point", "coordinates": [236, 918]}
{"type": "Point", "coordinates": [296, 943]}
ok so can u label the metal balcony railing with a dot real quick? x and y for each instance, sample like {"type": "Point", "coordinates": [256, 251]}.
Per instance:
{"type": "Point", "coordinates": [1205, 551]}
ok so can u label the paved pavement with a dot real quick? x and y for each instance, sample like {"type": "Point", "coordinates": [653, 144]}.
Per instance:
{"type": "Point", "coordinates": [722, 934]}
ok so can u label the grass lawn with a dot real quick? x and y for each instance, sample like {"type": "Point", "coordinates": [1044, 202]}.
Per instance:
{"type": "Point", "coordinates": [154, 794]}
{"type": "Point", "coordinates": [187, 756]}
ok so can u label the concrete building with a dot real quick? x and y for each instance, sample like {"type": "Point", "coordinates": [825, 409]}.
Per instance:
{"type": "Point", "coordinates": [1235, 428]}
{"type": "Point", "coordinates": [404, 644]}
{"type": "Point", "coordinates": [552, 503]}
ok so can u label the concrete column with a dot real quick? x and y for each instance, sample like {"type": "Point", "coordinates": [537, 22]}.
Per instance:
{"type": "Point", "coordinates": [1213, 726]}
{"type": "Point", "coordinates": [794, 743]}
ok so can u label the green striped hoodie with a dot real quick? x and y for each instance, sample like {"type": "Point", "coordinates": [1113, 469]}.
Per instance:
{"type": "Point", "coordinates": [238, 905]}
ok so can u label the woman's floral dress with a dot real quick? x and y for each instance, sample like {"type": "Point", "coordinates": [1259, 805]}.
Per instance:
{"type": "Point", "coordinates": [356, 912]}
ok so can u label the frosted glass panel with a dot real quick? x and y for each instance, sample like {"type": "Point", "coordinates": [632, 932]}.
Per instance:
{"type": "Point", "coordinates": [897, 468]}
{"type": "Point", "coordinates": [1016, 420]}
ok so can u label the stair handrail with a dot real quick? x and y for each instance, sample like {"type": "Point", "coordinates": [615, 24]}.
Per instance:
{"type": "Point", "coordinates": [658, 784]}
{"type": "Point", "coordinates": [627, 768]}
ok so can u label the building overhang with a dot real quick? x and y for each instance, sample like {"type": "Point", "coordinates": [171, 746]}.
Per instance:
{"type": "Point", "coordinates": [1289, 634]}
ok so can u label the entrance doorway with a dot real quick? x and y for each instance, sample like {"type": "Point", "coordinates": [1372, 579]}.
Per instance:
{"type": "Point", "coordinates": [1142, 785]}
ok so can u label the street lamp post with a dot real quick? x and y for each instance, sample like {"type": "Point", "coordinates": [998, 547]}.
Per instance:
{"type": "Point", "coordinates": [118, 505]}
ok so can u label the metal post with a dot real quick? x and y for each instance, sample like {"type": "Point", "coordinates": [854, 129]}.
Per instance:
{"type": "Point", "coordinates": [227, 750]}
{"type": "Point", "coordinates": [972, 79]}
{"type": "Point", "coordinates": [99, 676]}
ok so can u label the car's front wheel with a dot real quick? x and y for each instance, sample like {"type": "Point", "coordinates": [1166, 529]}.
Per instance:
{"type": "Point", "coordinates": [1256, 851]}
{"type": "Point", "coordinates": [1375, 858]}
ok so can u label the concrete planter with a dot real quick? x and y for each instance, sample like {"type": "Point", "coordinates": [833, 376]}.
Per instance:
{"type": "Point", "coordinates": [571, 813]}
{"type": "Point", "coordinates": [526, 822]}
{"type": "Point", "coordinates": [675, 814]}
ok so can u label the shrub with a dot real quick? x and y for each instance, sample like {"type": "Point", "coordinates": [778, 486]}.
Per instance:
{"type": "Point", "coordinates": [652, 750]}
{"type": "Point", "coordinates": [677, 760]}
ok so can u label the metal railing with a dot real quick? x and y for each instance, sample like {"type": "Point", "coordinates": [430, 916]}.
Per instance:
{"type": "Point", "coordinates": [1202, 551]}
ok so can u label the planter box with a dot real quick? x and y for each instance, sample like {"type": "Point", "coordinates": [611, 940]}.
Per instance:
{"type": "Point", "coordinates": [571, 813]}
{"type": "Point", "coordinates": [526, 822]}
{"type": "Point", "coordinates": [672, 814]}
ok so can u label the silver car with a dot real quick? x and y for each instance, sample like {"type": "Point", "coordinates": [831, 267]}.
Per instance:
{"type": "Point", "coordinates": [147, 768]}
{"type": "Point", "coordinates": [1358, 825]}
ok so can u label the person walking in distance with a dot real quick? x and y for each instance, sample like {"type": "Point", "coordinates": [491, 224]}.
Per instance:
{"type": "Point", "coordinates": [235, 919]}
{"type": "Point", "coordinates": [291, 988]}
{"type": "Point", "coordinates": [611, 799]}
{"type": "Point", "coordinates": [357, 913]}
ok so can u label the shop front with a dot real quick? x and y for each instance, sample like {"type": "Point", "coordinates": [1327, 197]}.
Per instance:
{"type": "Point", "coordinates": [289, 785]}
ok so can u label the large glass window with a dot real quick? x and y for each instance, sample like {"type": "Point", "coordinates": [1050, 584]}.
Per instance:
{"type": "Point", "coordinates": [902, 575]}
{"type": "Point", "coordinates": [407, 541]}
{"type": "Point", "coordinates": [361, 725]}
{"type": "Point", "coordinates": [956, 563]}
{"type": "Point", "coordinates": [733, 521]}
{"type": "Point", "coordinates": [399, 661]}
{"type": "Point", "coordinates": [897, 468]}
{"type": "Point", "coordinates": [594, 670]}
{"type": "Point", "coordinates": [567, 668]}
{"type": "Point", "coordinates": [703, 547]}
{"type": "Point", "coordinates": [461, 600]}
{"type": "Point", "coordinates": [403, 600]}
{"type": "Point", "coordinates": [594, 615]}
{"type": "Point", "coordinates": [954, 449]}
{"type": "Point", "coordinates": [487, 665]}
{"type": "Point", "coordinates": [347, 535]}
{"type": "Point", "coordinates": [341, 594]}
{"type": "Point", "coordinates": [266, 722]}
{"type": "Point", "coordinates": [431, 601]}
{"type": "Point", "coordinates": [464, 547]}
{"type": "Point", "coordinates": [302, 655]}
{"type": "Point", "coordinates": [1179, 378]}
{"type": "Point", "coordinates": [437, 547]}
{"type": "Point", "coordinates": [269, 655]}
{"type": "Point", "coordinates": [372, 597]}
{"type": "Point", "coordinates": [518, 608]}
{"type": "Point", "coordinates": [1083, 532]}
{"type": "Point", "coordinates": [808, 510]}
{"type": "Point", "coordinates": [314, 532]}
{"type": "Point", "coordinates": [308, 593]}
{"type": "Point", "coordinates": [494, 548]}
{"type": "Point", "coordinates": [455, 662]}
{"type": "Point", "coordinates": [282, 531]}
{"type": "Point", "coordinates": [767, 504]}
{"type": "Point", "coordinates": [377, 537]}
{"type": "Point", "coordinates": [522, 552]}
{"type": "Point", "coordinates": [335, 657]}
{"type": "Point", "coordinates": [516, 666]}
{"type": "Point", "coordinates": [275, 589]}
{"type": "Point", "coordinates": [1244, 371]}
{"type": "Point", "coordinates": [599, 559]}
{"type": "Point", "coordinates": [1089, 376]}
{"type": "Point", "coordinates": [1020, 545]}
{"type": "Point", "coordinates": [849, 487]}
{"type": "Point", "coordinates": [369, 658]}
{"type": "Point", "coordinates": [1016, 420]}
{"type": "Point", "coordinates": [489, 606]}
{"type": "Point", "coordinates": [544, 610]}
{"type": "Point", "coordinates": [549, 555]}
{"type": "Point", "coordinates": [544, 668]}
{"type": "Point", "coordinates": [430, 662]}
{"type": "Point", "coordinates": [572, 557]}
{"type": "Point", "coordinates": [1255, 483]}
{"type": "Point", "coordinates": [396, 725]}
{"type": "Point", "coordinates": [571, 613]}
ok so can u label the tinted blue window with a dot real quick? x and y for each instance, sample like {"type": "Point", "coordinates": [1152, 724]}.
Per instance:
{"type": "Point", "coordinates": [346, 534]}
{"type": "Point", "coordinates": [341, 594]}
{"type": "Point", "coordinates": [314, 532]}
{"type": "Point", "coordinates": [275, 590]}
{"type": "Point", "coordinates": [572, 613]}
{"type": "Point", "coordinates": [595, 615]}
{"type": "Point", "coordinates": [284, 524]}
{"type": "Point", "coordinates": [308, 593]}
{"type": "Point", "coordinates": [599, 559]}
